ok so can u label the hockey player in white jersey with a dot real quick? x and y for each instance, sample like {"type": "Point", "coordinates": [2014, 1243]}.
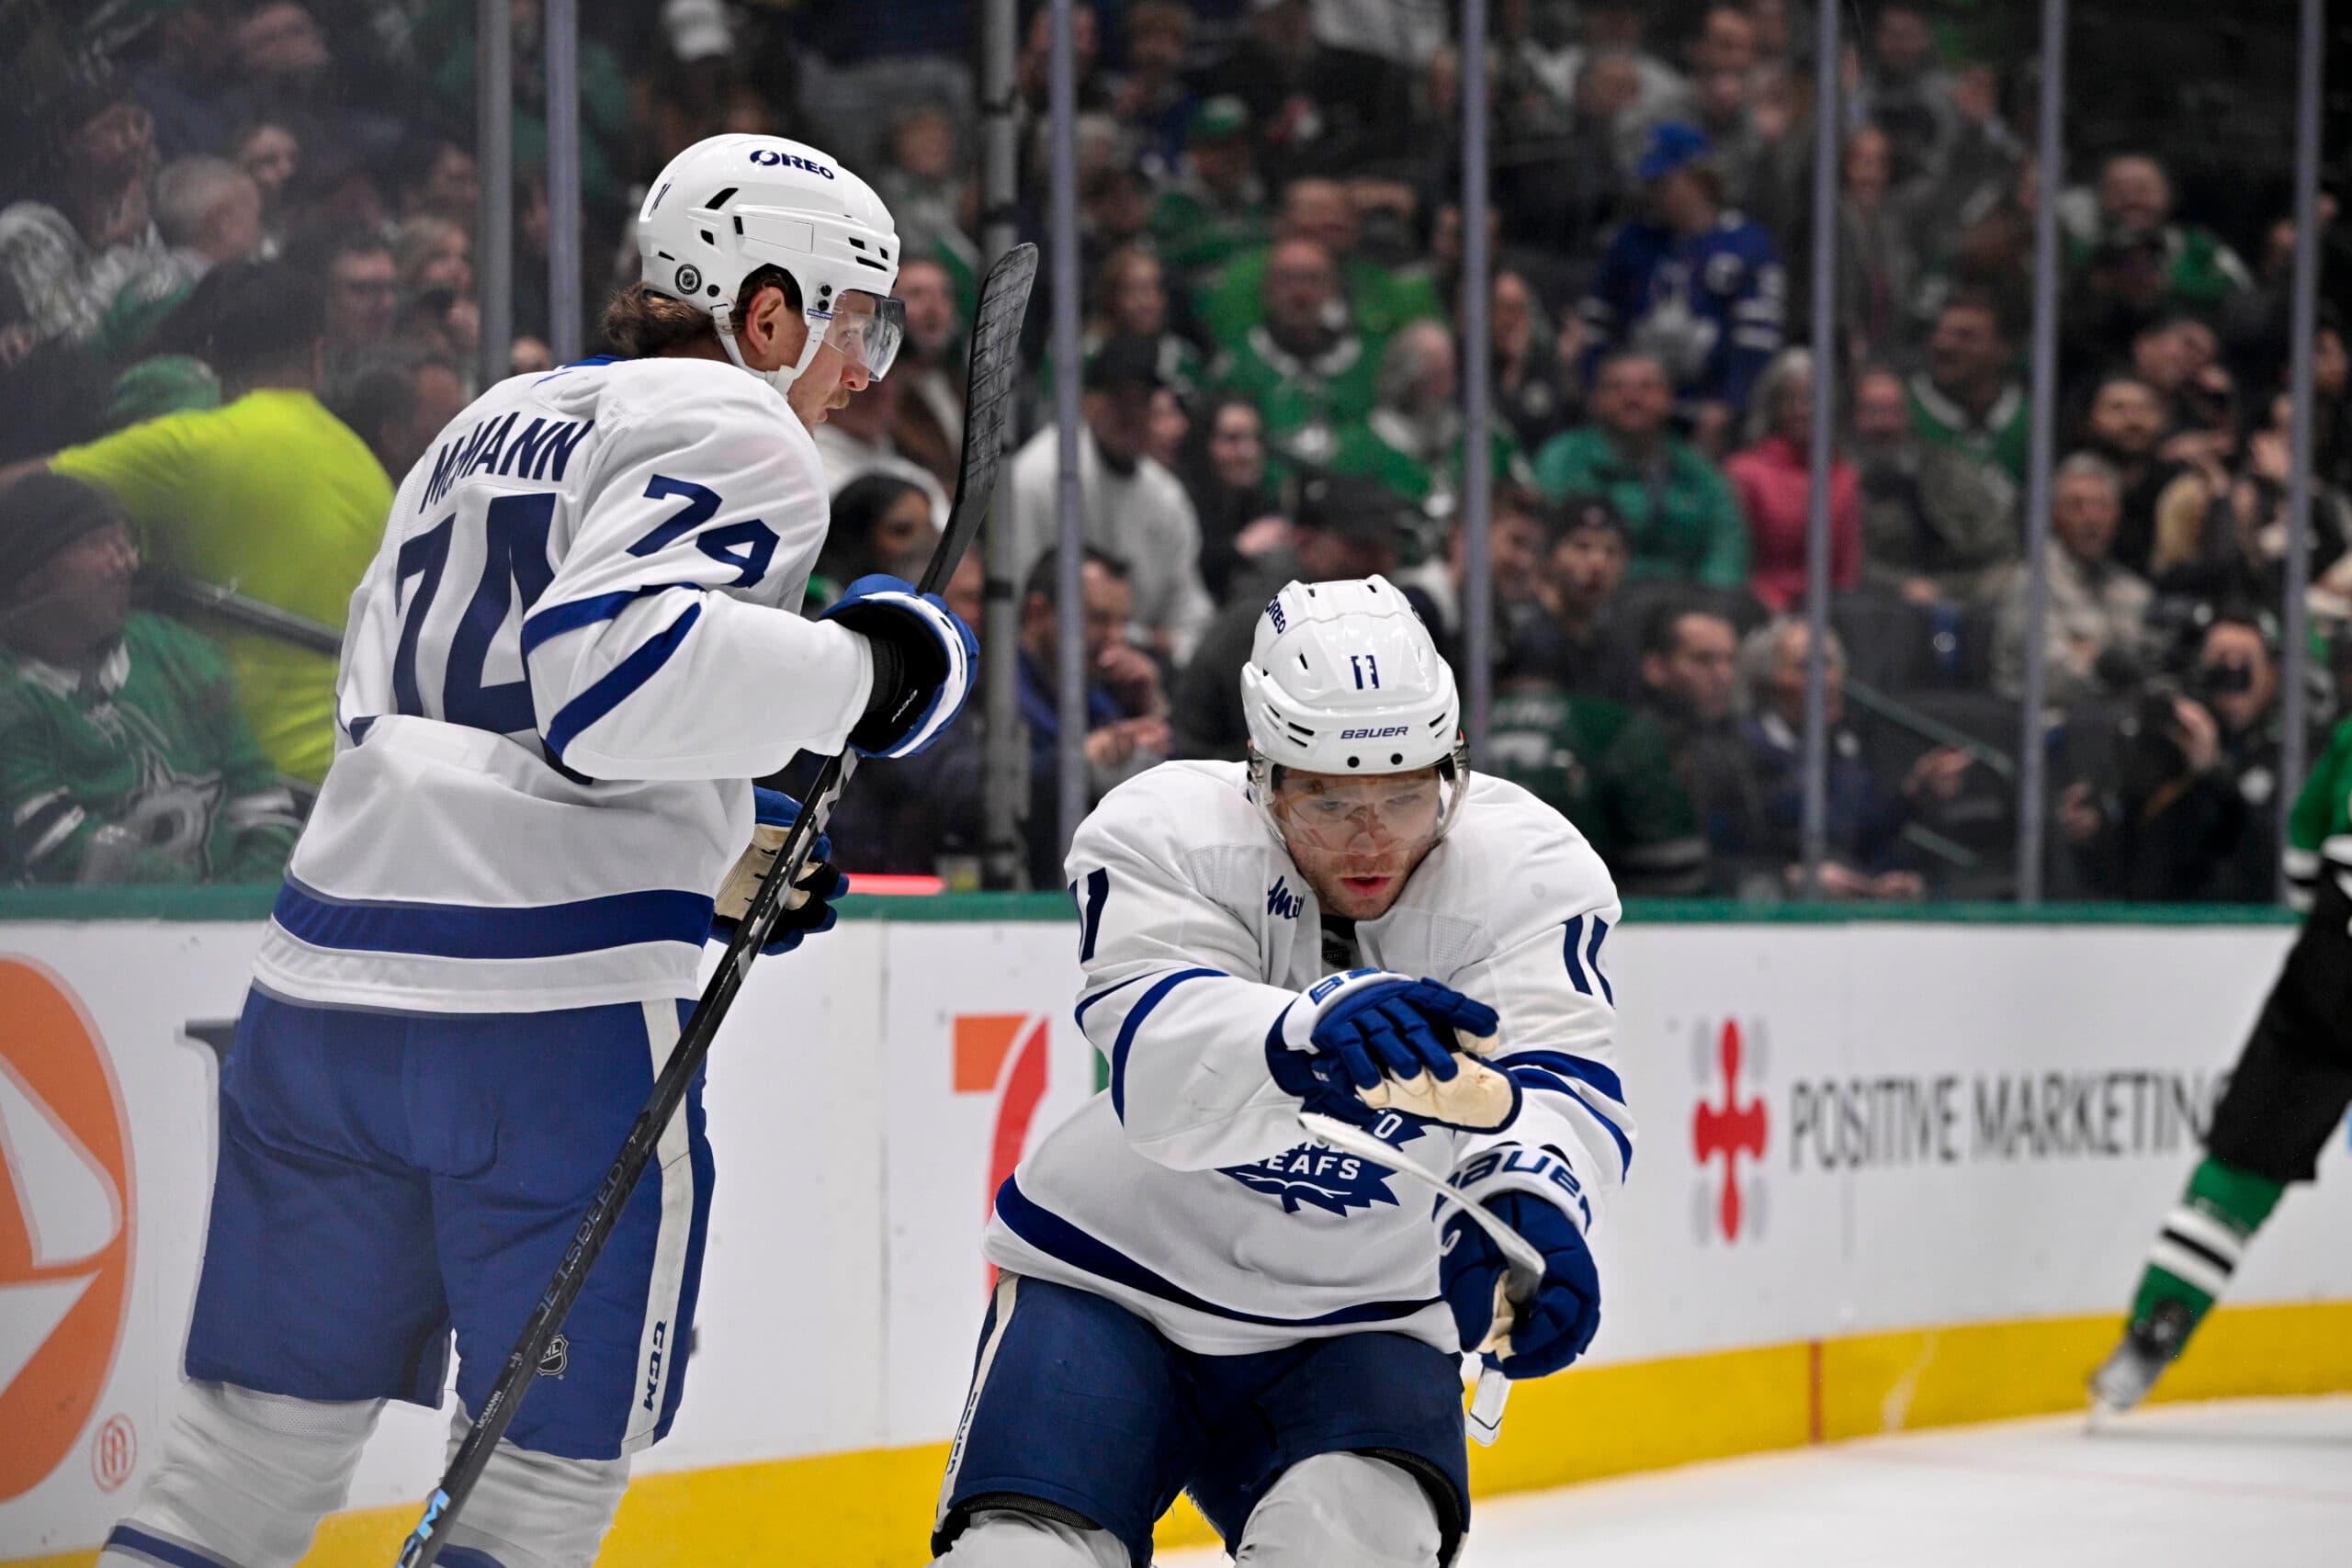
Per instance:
{"type": "Point", "coordinates": [577, 645]}
{"type": "Point", "coordinates": [1193, 1294]}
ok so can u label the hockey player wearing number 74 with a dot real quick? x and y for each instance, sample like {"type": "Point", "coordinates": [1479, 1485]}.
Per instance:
{"type": "Point", "coordinates": [1196, 1295]}
{"type": "Point", "coordinates": [577, 644]}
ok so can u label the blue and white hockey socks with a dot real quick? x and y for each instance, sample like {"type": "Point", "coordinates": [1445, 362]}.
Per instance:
{"type": "Point", "coordinates": [244, 1481]}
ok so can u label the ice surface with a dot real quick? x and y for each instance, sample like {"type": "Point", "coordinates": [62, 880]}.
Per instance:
{"type": "Point", "coordinates": [2239, 1483]}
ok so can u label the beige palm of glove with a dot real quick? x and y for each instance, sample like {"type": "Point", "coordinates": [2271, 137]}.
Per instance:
{"type": "Point", "coordinates": [1478, 1098]}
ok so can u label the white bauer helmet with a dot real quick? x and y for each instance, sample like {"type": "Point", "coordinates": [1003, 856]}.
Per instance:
{"type": "Point", "coordinates": [1344, 679]}
{"type": "Point", "coordinates": [730, 204]}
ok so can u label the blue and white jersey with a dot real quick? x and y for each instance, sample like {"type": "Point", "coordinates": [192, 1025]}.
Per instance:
{"type": "Point", "coordinates": [574, 650]}
{"type": "Point", "coordinates": [1710, 308]}
{"type": "Point", "coordinates": [1186, 1191]}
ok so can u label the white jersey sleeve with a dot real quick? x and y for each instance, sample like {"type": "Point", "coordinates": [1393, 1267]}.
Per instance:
{"type": "Point", "coordinates": [1173, 994]}
{"type": "Point", "coordinates": [647, 659]}
{"type": "Point", "coordinates": [1545, 978]}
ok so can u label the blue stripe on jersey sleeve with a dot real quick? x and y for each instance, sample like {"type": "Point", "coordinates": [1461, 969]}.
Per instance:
{"type": "Point", "coordinates": [570, 617]}
{"type": "Point", "coordinates": [1592, 960]}
{"type": "Point", "coordinates": [492, 932]}
{"type": "Point", "coordinates": [1537, 1078]}
{"type": "Point", "coordinates": [620, 683]}
{"type": "Point", "coordinates": [1601, 1077]}
{"type": "Point", "coordinates": [1128, 1025]}
{"type": "Point", "coordinates": [1078, 1016]}
{"type": "Point", "coordinates": [1056, 1238]}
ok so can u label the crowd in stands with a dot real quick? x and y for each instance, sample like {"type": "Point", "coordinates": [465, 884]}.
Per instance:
{"type": "Point", "coordinates": [238, 299]}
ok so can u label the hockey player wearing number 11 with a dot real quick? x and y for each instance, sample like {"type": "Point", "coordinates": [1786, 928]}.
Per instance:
{"type": "Point", "coordinates": [578, 643]}
{"type": "Point", "coordinates": [1196, 1296]}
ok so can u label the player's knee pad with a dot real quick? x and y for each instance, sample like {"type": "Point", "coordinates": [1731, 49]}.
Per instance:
{"type": "Point", "coordinates": [245, 1480]}
{"type": "Point", "coordinates": [534, 1510]}
{"type": "Point", "coordinates": [1352, 1508]}
{"type": "Point", "coordinates": [1012, 1537]}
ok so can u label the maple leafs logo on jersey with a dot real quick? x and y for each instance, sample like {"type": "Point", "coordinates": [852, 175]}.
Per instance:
{"type": "Point", "coordinates": [1324, 1178]}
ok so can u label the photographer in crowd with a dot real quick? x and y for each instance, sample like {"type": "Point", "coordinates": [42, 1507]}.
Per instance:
{"type": "Point", "coordinates": [2176, 794]}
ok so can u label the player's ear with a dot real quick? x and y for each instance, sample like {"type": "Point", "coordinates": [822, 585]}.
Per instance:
{"type": "Point", "coordinates": [772, 328]}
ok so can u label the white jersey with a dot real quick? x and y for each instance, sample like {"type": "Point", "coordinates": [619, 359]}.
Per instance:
{"type": "Point", "coordinates": [1187, 1191]}
{"type": "Point", "coordinates": [576, 647]}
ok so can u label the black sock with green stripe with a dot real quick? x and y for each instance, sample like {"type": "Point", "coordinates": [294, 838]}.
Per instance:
{"type": "Point", "coordinates": [2203, 1239]}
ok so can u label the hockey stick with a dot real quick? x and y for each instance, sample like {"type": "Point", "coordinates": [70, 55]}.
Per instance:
{"type": "Point", "coordinates": [186, 595]}
{"type": "Point", "coordinates": [995, 369]}
{"type": "Point", "coordinates": [1524, 1265]}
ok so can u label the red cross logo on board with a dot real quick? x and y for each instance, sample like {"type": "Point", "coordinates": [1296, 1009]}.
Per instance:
{"type": "Point", "coordinates": [1730, 1130]}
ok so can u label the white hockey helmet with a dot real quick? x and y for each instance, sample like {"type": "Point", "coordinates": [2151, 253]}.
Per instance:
{"type": "Point", "coordinates": [1343, 679]}
{"type": "Point", "coordinates": [730, 204]}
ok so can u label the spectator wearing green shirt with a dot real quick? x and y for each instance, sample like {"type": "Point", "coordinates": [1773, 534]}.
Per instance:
{"type": "Point", "coordinates": [1412, 441]}
{"type": "Point", "coordinates": [1305, 367]}
{"type": "Point", "coordinates": [1681, 517]}
{"type": "Point", "coordinates": [1572, 630]}
{"type": "Point", "coordinates": [1688, 654]}
{"type": "Point", "coordinates": [1379, 299]}
{"type": "Point", "coordinates": [1607, 768]}
{"type": "Point", "coordinates": [269, 495]}
{"type": "Point", "coordinates": [2189, 267]}
{"type": "Point", "coordinates": [1216, 208]}
{"type": "Point", "coordinates": [1966, 401]}
{"type": "Point", "coordinates": [122, 757]}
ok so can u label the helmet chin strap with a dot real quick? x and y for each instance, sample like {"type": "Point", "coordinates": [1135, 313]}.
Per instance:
{"type": "Point", "coordinates": [781, 379]}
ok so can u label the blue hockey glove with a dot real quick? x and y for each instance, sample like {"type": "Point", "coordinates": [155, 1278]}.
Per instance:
{"type": "Point", "coordinates": [808, 907]}
{"type": "Point", "coordinates": [1349, 1030]}
{"type": "Point", "coordinates": [1553, 1328]}
{"type": "Point", "coordinates": [924, 659]}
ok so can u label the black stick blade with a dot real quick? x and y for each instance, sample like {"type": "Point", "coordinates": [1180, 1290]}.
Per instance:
{"type": "Point", "coordinates": [988, 404]}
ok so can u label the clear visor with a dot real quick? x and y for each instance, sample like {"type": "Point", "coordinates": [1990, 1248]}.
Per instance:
{"type": "Point", "coordinates": [866, 331]}
{"type": "Point", "coordinates": [1372, 817]}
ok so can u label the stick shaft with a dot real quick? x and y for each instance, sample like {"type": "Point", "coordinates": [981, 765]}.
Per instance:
{"type": "Point", "coordinates": [994, 368]}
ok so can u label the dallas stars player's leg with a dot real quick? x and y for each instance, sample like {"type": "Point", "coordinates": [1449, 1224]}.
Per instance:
{"type": "Point", "coordinates": [2286, 1098]}
{"type": "Point", "coordinates": [1194, 1298]}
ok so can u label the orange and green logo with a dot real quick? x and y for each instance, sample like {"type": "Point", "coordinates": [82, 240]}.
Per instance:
{"type": "Point", "coordinates": [66, 1228]}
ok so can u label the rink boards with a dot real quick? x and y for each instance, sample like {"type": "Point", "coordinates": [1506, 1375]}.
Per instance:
{"type": "Point", "coordinates": [1888, 1175]}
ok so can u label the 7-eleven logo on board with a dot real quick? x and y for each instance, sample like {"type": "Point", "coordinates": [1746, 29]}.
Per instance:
{"type": "Point", "coordinates": [1724, 1126]}
{"type": "Point", "coordinates": [1004, 1054]}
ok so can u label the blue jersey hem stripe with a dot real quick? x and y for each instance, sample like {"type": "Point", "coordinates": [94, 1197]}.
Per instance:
{"type": "Point", "coordinates": [1056, 1238]}
{"type": "Point", "coordinates": [492, 931]}
{"type": "Point", "coordinates": [1134, 1020]}
{"type": "Point", "coordinates": [620, 683]}
{"type": "Point", "coordinates": [155, 1549]}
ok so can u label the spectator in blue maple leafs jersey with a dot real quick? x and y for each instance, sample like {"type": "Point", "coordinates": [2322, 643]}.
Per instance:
{"type": "Point", "coordinates": [1694, 283]}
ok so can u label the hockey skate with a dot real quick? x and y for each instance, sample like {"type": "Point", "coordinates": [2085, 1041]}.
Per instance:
{"type": "Point", "coordinates": [2149, 1346]}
